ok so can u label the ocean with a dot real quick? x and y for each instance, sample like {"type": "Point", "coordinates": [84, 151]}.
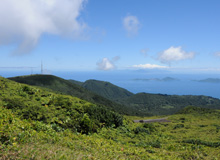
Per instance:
{"type": "Point", "coordinates": [136, 82]}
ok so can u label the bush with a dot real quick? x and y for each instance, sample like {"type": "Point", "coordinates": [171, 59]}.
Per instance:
{"type": "Point", "coordinates": [141, 130]}
{"type": "Point", "coordinates": [178, 126]}
{"type": "Point", "coordinates": [150, 126]}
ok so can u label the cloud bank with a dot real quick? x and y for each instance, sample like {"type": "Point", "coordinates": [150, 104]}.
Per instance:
{"type": "Point", "coordinates": [23, 23]}
{"type": "Point", "coordinates": [174, 54]}
{"type": "Point", "coordinates": [105, 64]}
{"type": "Point", "coordinates": [149, 66]}
{"type": "Point", "coordinates": [131, 25]}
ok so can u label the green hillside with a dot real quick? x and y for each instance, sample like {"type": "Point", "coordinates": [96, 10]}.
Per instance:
{"type": "Point", "coordinates": [76, 82]}
{"type": "Point", "coordinates": [119, 99]}
{"type": "Point", "coordinates": [61, 111]}
{"type": "Point", "coordinates": [149, 104]}
{"type": "Point", "coordinates": [68, 87]}
{"type": "Point", "coordinates": [159, 104]}
{"type": "Point", "coordinates": [106, 90]}
{"type": "Point", "coordinates": [187, 136]}
{"type": "Point", "coordinates": [36, 123]}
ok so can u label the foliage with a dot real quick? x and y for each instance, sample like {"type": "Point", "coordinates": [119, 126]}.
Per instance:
{"type": "Point", "coordinates": [159, 104]}
{"type": "Point", "coordinates": [61, 111]}
{"type": "Point", "coordinates": [29, 139]}
{"type": "Point", "coordinates": [38, 124]}
{"type": "Point", "coordinates": [73, 88]}
{"type": "Point", "coordinates": [106, 90]}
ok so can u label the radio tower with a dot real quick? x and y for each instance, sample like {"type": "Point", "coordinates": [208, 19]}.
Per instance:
{"type": "Point", "coordinates": [42, 70]}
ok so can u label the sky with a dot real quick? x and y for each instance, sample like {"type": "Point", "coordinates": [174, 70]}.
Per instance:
{"type": "Point", "coordinates": [110, 35]}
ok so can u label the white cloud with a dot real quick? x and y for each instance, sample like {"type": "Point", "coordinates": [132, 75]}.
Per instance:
{"type": "Point", "coordinates": [174, 54]}
{"type": "Point", "coordinates": [131, 25]}
{"type": "Point", "coordinates": [105, 64]}
{"type": "Point", "coordinates": [149, 66]}
{"type": "Point", "coordinates": [24, 22]}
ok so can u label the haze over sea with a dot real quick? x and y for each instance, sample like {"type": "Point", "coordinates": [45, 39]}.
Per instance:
{"type": "Point", "coordinates": [137, 82]}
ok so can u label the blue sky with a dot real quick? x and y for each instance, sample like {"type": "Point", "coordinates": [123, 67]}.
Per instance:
{"type": "Point", "coordinates": [76, 35]}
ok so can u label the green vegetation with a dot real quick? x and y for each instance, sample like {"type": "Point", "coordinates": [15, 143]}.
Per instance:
{"type": "Point", "coordinates": [197, 138]}
{"type": "Point", "coordinates": [106, 90]}
{"type": "Point", "coordinates": [68, 87]}
{"type": "Point", "coordinates": [119, 99]}
{"type": "Point", "coordinates": [38, 124]}
{"type": "Point", "coordinates": [61, 111]}
{"type": "Point", "coordinates": [160, 104]}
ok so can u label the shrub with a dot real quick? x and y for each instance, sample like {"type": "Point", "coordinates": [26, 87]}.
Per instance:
{"type": "Point", "coordinates": [141, 130]}
{"type": "Point", "coordinates": [150, 126]}
{"type": "Point", "coordinates": [178, 126]}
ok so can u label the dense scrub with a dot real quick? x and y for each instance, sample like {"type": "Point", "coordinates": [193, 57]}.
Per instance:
{"type": "Point", "coordinates": [107, 90]}
{"type": "Point", "coordinates": [61, 111]}
{"type": "Point", "coordinates": [148, 104]}
{"type": "Point", "coordinates": [161, 104]}
{"type": "Point", "coordinates": [38, 124]}
{"type": "Point", "coordinates": [119, 99]}
{"type": "Point", "coordinates": [74, 89]}
{"type": "Point", "coordinates": [186, 137]}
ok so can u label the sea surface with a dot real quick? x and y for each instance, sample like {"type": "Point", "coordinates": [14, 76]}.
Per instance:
{"type": "Point", "coordinates": [136, 82]}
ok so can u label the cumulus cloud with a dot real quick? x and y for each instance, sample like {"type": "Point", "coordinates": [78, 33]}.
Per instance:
{"type": "Point", "coordinates": [149, 66]}
{"type": "Point", "coordinates": [23, 23]}
{"type": "Point", "coordinates": [174, 54]}
{"type": "Point", "coordinates": [131, 25]}
{"type": "Point", "coordinates": [106, 64]}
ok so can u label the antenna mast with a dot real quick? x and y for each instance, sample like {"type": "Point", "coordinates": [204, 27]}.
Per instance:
{"type": "Point", "coordinates": [42, 70]}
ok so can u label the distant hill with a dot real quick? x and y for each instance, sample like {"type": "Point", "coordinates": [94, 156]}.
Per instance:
{"type": "Point", "coordinates": [76, 82]}
{"type": "Point", "coordinates": [119, 99]}
{"type": "Point", "coordinates": [106, 89]}
{"type": "Point", "coordinates": [160, 104]}
{"type": "Point", "coordinates": [166, 79]}
{"type": "Point", "coordinates": [209, 80]}
{"type": "Point", "coordinates": [74, 89]}
{"type": "Point", "coordinates": [60, 111]}
{"type": "Point", "coordinates": [154, 104]}
{"type": "Point", "coordinates": [200, 111]}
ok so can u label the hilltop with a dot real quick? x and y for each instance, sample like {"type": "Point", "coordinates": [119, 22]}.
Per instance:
{"type": "Point", "coordinates": [63, 111]}
{"type": "Point", "coordinates": [106, 89]}
{"type": "Point", "coordinates": [149, 104]}
{"type": "Point", "coordinates": [39, 124]}
{"type": "Point", "coordinates": [69, 87]}
{"type": "Point", "coordinates": [119, 99]}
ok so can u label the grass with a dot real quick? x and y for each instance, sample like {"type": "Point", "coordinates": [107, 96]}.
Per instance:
{"type": "Point", "coordinates": [37, 124]}
{"type": "Point", "coordinates": [197, 137]}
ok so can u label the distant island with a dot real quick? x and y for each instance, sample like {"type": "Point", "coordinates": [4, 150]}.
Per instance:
{"type": "Point", "coordinates": [209, 80]}
{"type": "Point", "coordinates": [166, 79]}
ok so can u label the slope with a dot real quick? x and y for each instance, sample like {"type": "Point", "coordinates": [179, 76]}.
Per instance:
{"type": "Point", "coordinates": [188, 136]}
{"type": "Point", "coordinates": [69, 88]}
{"type": "Point", "coordinates": [162, 104]}
{"type": "Point", "coordinates": [144, 103]}
{"type": "Point", "coordinates": [61, 111]}
{"type": "Point", "coordinates": [106, 89]}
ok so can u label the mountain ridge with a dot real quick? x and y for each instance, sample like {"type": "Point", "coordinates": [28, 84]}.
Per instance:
{"type": "Point", "coordinates": [67, 87]}
{"type": "Point", "coordinates": [125, 102]}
